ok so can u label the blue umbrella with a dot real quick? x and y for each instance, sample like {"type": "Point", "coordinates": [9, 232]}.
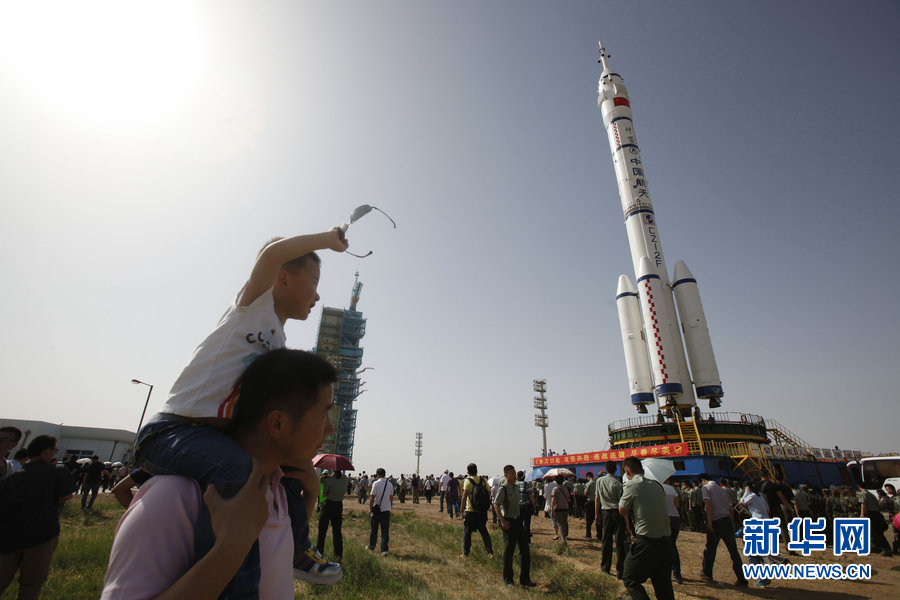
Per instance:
{"type": "Point", "coordinates": [537, 473]}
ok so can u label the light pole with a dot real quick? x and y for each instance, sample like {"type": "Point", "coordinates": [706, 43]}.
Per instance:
{"type": "Point", "coordinates": [144, 412]}
{"type": "Point", "coordinates": [418, 450]}
{"type": "Point", "coordinates": [540, 402]}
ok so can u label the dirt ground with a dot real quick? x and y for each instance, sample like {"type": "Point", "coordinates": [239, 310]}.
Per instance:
{"type": "Point", "coordinates": [584, 553]}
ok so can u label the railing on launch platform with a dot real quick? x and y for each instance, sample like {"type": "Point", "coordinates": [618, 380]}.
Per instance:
{"type": "Point", "coordinates": [717, 417]}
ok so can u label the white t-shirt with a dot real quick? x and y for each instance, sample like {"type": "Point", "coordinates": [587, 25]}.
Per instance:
{"type": "Point", "coordinates": [548, 492]}
{"type": "Point", "coordinates": [384, 495]}
{"type": "Point", "coordinates": [495, 487]}
{"type": "Point", "coordinates": [671, 494]}
{"type": "Point", "coordinates": [207, 385]}
{"type": "Point", "coordinates": [759, 508]}
{"type": "Point", "coordinates": [444, 479]}
{"type": "Point", "coordinates": [154, 543]}
{"type": "Point", "coordinates": [721, 503]}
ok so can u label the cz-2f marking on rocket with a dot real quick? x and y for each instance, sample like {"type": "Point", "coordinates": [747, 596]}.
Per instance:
{"type": "Point", "coordinates": [651, 335]}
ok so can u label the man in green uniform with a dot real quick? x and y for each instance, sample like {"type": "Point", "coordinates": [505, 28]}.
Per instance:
{"type": "Point", "coordinates": [651, 555]}
{"type": "Point", "coordinates": [868, 508]}
{"type": "Point", "coordinates": [334, 488]}
{"type": "Point", "coordinates": [698, 516]}
{"type": "Point", "coordinates": [829, 516]}
{"type": "Point", "coordinates": [506, 506]}
{"type": "Point", "coordinates": [609, 492]}
{"type": "Point", "coordinates": [579, 500]}
{"type": "Point", "coordinates": [590, 512]}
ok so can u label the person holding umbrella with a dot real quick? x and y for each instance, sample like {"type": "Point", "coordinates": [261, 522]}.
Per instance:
{"type": "Point", "coordinates": [560, 501]}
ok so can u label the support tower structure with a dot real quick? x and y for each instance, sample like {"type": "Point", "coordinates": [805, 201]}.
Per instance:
{"type": "Point", "coordinates": [340, 332]}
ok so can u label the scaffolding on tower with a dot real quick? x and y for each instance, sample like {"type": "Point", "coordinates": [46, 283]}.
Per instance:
{"type": "Point", "coordinates": [340, 332]}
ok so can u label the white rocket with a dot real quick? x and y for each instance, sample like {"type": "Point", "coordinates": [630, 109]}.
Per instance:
{"type": "Point", "coordinates": [663, 376]}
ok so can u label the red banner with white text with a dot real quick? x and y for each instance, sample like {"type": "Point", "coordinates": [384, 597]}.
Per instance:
{"type": "Point", "coordinates": [663, 451]}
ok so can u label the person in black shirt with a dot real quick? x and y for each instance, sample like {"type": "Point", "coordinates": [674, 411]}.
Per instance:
{"type": "Point", "coordinates": [90, 482]}
{"type": "Point", "coordinates": [30, 502]}
{"type": "Point", "coordinates": [779, 504]}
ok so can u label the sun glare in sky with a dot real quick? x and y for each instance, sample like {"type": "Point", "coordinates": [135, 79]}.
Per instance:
{"type": "Point", "coordinates": [107, 64]}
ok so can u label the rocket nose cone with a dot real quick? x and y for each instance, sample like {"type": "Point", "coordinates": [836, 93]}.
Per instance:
{"type": "Point", "coordinates": [625, 286]}
{"type": "Point", "coordinates": [644, 267]}
{"type": "Point", "coordinates": [682, 272]}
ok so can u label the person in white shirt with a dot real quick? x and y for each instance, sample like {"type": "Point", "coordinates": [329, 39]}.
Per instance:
{"type": "Point", "coordinates": [444, 479]}
{"type": "Point", "coordinates": [719, 526]}
{"type": "Point", "coordinates": [759, 509]}
{"type": "Point", "coordinates": [381, 500]}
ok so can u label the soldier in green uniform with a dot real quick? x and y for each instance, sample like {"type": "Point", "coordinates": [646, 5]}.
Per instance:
{"type": "Point", "coordinates": [507, 506]}
{"type": "Point", "coordinates": [684, 499]}
{"type": "Point", "coordinates": [698, 514]}
{"type": "Point", "coordinates": [609, 492]}
{"type": "Point", "coordinates": [651, 555]}
{"type": "Point", "coordinates": [828, 508]}
{"type": "Point", "coordinates": [538, 488]}
{"type": "Point", "coordinates": [590, 513]}
{"type": "Point", "coordinates": [868, 507]}
{"type": "Point", "coordinates": [846, 504]}
{"type": "Point", "coordinates": [579, 499]}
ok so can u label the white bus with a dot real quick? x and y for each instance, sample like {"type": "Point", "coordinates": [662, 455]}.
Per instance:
{"type": "Point", "coordinates": [873, 472]}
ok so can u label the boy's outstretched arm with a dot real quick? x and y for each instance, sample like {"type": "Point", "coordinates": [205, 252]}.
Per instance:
{"type": "Point", "coordinates": [273, 256]}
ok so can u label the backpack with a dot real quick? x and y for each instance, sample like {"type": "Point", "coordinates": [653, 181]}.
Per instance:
{"type": "Point", "coordinates": [524, 492]}
{"type": "Point", "coordinates": [481, 496]}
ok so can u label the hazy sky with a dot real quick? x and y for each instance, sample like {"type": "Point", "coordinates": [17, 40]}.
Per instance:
{"type": "Point", "coordinates": [148, 149]}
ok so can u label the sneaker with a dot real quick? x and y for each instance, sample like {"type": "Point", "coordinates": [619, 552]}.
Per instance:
{"type": "Point", "coordinates": [528, 584]}
{"type": "Point", "coordinates": [705, 577]}
{"type": "Point", "coordinates": [384, 553]}
{"type": "Point", "coordinates": [312, 568]}
{"type": "Point", "coordinates": [741, 583]}
{"type": "Point", "coordinates": [760, 584]}
{"type": "Point", "coordinates": [678, 579]}
{"type": "Point", "coordinates": [369, 548]}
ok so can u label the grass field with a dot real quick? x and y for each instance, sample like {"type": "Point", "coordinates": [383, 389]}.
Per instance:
{"type": "Point", "coordinates": [424, 562]}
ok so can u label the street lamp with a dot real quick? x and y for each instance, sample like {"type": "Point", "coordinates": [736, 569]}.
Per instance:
{"type": "Point", "coordinates": [141, 422]}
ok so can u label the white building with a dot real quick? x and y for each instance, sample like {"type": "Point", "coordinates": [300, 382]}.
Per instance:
{"type": "Point", "coordinates": [109, 444]}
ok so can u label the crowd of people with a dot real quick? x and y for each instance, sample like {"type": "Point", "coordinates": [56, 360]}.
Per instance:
{"type": "Point", "coordinates": [632, 517]}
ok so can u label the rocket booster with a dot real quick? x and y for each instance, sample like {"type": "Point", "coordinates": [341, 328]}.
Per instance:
{"type": "Point", "coordinates": [696, 335]}
{"type": "Point", "coordinates": [636, 363]}
{"type": "Point", "coordinates": [662, 333]}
